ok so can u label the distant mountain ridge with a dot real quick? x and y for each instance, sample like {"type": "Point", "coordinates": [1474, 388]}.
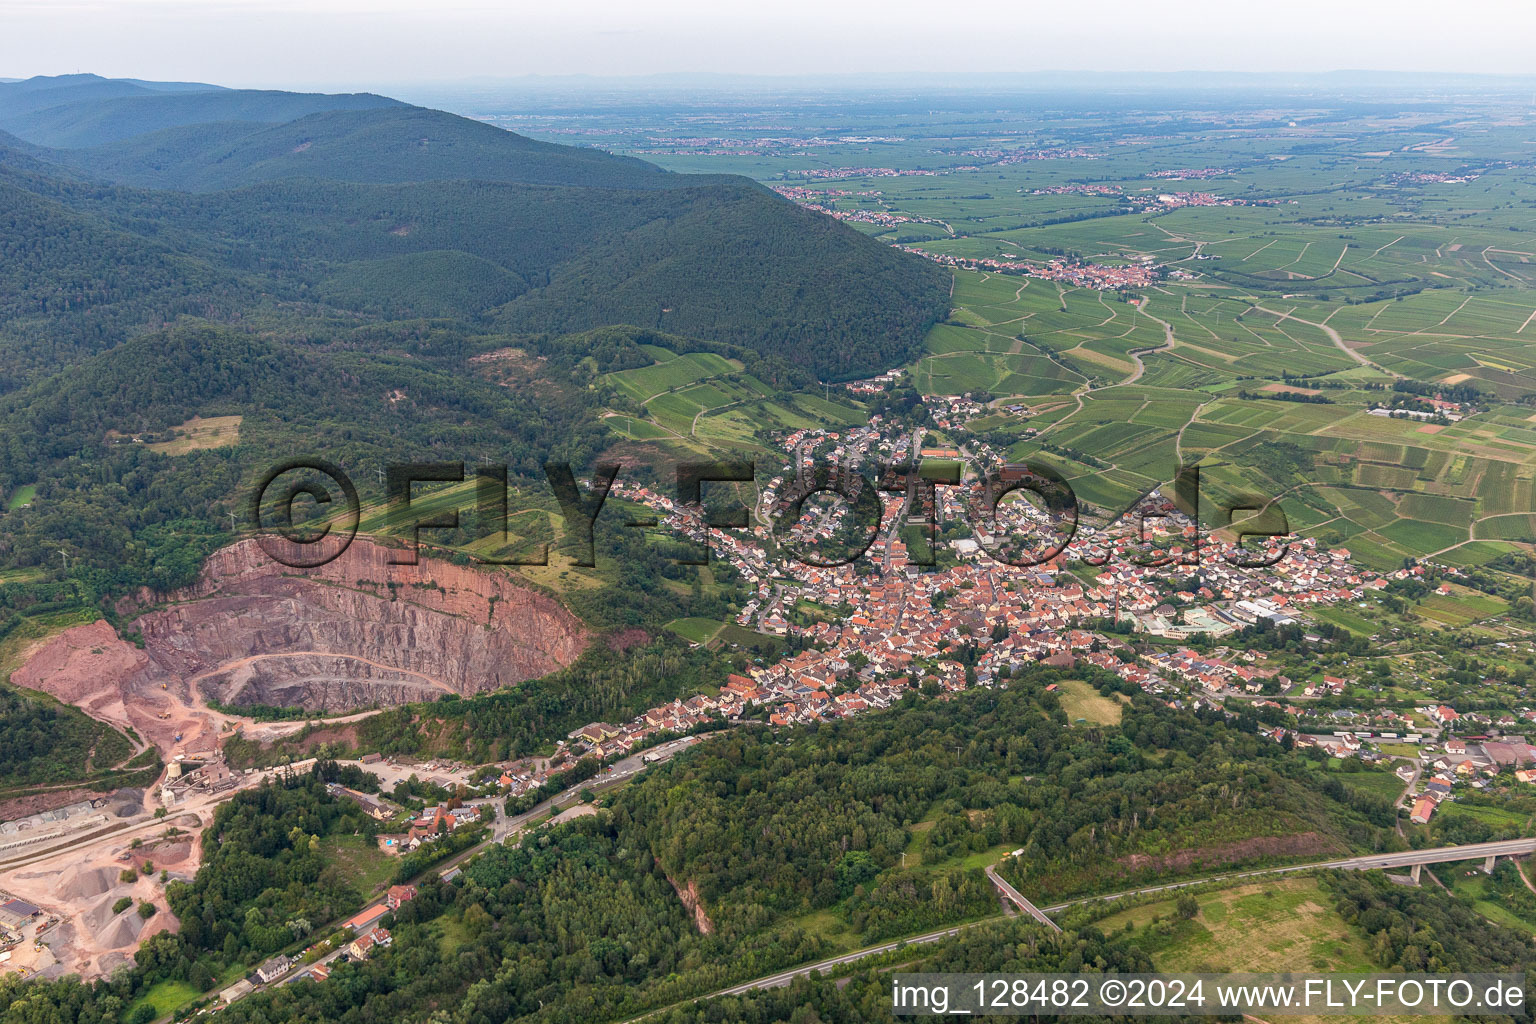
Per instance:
{"type": "Point", "coordinates": [131, 204]}
{"type": "Point", "coordinates": [365, 144]}
{"type": "Point", "coordinates": [21, 95]}
{"type": "Point", "coordinates": [43, 83]}
{"type": "Point", "coordinates": [100, 113]}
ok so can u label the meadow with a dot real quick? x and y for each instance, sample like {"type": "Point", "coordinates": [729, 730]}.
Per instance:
{"type": "Point", "coordinates": [1283, 924]}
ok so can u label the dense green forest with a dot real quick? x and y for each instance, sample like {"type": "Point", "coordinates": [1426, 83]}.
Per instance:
{"type": "Point", "coordinates": [44, 92]}
{"type": "Point", "coordinates": [329, 268]}
{"type": "Point", "coordinates": [240, 205]}
{"type": "Point", "coordinates": [264, 882]}
{"type": "Point", "coordinates": [993, 768]}
{"type": "Point", "coordinates": [73, 112]}
{"type": "Point", "coordinates": [135, 516]}
{"type": "Point", "coordinates": [89, 266]}
{"type": "Point", "coordinates": [130, 515]}
{"type": "Point", "coordinates": [1009, 947]}
{"type": "Point", "coordinates": [584, 922]}
{"type": "Point", "coordinates": [375, 140]}
{"type": "Point", "coordinates": [42, 742]}
{"type": "Point", "coordinates": [464, 945]}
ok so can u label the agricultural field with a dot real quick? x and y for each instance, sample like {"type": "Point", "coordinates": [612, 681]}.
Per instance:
{"type": "Point", "coordinates": [1280, 284]}
{"type": "Point", "coordinates": [1263, 397]}
{"type": "Point", "coordinates": [700, 402]}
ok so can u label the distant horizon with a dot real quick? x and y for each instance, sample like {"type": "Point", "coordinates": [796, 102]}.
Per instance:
{"type": "Point", "coordinates": [905, 82]}
{"type": "Point", "coordinates": [793, 76]}
{"type": "Point", "coordinates": [363, 44]}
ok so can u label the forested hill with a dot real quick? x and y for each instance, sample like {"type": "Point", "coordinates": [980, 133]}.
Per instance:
{"type": "Point", "coordinates": [133, 513]}
{"type": "Point", "coordinates": [395, 143]}
{"type": "Point", "coordinates": [26, 95]}
{"type": "Point", "coordinates": [279, 203]}
{"type": "Point", "coordinates": [93, 119]}
{"type": "Point", "coordinates": [296, 265]}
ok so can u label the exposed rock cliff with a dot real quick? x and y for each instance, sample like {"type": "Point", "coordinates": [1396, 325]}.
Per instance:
{"type": "Point", "coordinates": [694, 903]}
{"type": "Point", "coordinates": [357, 632]}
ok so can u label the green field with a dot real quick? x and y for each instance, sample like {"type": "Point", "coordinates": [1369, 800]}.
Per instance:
{"type": "Point", "coordinates": [359, 859]}
{"type": "Point", "coordinates": [1384, 784]}
{"type": "Point", "coordinates": [1286, 924]}
{"type": "Point", "coordinates": [1083, 703]}
{"type": "Point", "coordinates": [165, 997]}
{"type": "Point", "coordinates": [698, 631]}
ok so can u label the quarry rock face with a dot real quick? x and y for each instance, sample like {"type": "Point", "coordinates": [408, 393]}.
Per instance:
{"type": "Point", "coordinates": [358, 632]}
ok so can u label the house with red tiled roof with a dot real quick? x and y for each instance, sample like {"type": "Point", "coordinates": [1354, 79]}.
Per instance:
{"type": "Point", "coordinates": [1444, 715]}
{"type": "Point", "coordinates": [364, 945]}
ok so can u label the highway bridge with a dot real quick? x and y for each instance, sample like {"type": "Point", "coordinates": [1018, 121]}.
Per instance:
{"type": "Point", "coordinates": [1488, 853]}
{"type": "Point", "coordinates": [1416, 859]}
{"type": "Point", "coordinates": [1009, 892]}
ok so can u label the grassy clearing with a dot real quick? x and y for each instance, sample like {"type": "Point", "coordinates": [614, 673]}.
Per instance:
{"type": "Point", "coordinates": [762, 644]}
{"type": "Point", "coordinates": [165, 997]}
{"type": "Point", "coordinates": [1382, 784]}
{"type": "Point", "coordinates": [1283, 925]}
{"type": "Point", "coordinates": [1468, 880]}
{"type": "Point", "coordinates": [198, 434]}
{"type": "Point", "coordinates": [453, 935]}
{"type": "Point", "coordinates": [359, 859]}
{"type": "Point", "coordinates": [829, 926]}
{"type": "Point", "coordinates": [1498, 817]}
{"type": "Point", "coordinates": [23, 497]}
{"type": "Point", "coordinates": [1082, 702]}
{"type": "Point", "coordinates": [695, 630]}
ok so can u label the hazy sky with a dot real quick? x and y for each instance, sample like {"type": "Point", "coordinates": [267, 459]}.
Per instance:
{"type": "Point", "coordinates": [362, 44]}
